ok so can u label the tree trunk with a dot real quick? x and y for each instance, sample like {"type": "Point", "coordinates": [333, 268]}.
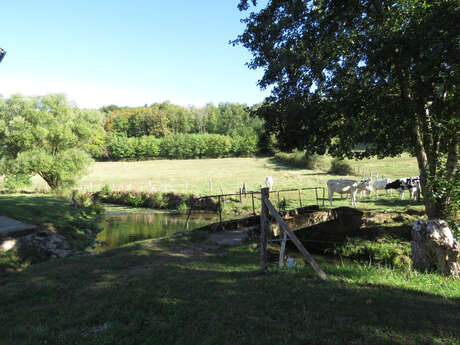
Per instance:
{"type": "Point", "coordinates": [434, 248]}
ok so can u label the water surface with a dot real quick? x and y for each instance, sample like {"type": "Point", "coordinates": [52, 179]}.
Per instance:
{"type": "Point", "coordinates": [125, 225]}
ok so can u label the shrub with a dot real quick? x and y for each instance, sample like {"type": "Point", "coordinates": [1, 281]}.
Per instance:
{"type": "Point", "coordinates": [13, 182]}
{"type": "Point", "coordinates": [217, 145]}
{"type": "Point", "coordinates": [389, 252]}
{"type": "Point", "coordinates": [244, 146]}
{"type": "Point", "coordinates": [340, 167]}
{"type": "Point", "coordinates": [148, 147]}
{"type": "Point", "coordinates": [122, 147]}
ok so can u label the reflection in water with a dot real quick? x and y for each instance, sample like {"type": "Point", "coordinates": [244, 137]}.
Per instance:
{"type": "Point", "coordinates": [126, 228]}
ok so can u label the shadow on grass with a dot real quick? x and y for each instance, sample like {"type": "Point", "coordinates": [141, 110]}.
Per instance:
{"type": "Point", "coordinates": [141, 292]}
{"type": "Point", "coordinates": [392, 203]}
{"type": "Point", "coordinates": [30, 208]}
{"type": "Point", "coordinates": [280, 165]}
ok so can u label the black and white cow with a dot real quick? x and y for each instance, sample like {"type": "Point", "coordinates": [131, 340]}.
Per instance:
{"type": "Point", "coordinates": [412, 184]}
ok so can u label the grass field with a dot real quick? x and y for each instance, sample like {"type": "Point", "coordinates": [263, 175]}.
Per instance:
{"type": "Point", "coordinates": [227, 175]}
{"type": "Point", "coordinates": [179, 292]}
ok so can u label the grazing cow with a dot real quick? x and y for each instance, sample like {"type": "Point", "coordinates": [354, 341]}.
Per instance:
{"type": "Point", "coordinates": [269, 182]}
{"type": "Point", "coordinates": [412, 184]}
{"type": "Point", "coordinates": [380, 185]}
{"type": "Point", "coordinates": [366, 191]}
{"type": "Point", "coordinates": [351, 187]}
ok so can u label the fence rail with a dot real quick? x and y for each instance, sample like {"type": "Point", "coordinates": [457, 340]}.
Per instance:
{"type": "Point", "coordinates": [254, 195]}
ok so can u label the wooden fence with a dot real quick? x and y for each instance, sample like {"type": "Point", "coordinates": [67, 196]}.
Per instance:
{"type": "Point", "coordinates": [255, 195]}
{"type": "Point", "coordinates": [267, 209]}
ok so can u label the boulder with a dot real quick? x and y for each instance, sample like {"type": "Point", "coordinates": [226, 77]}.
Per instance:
{"type": "Point", "coordinates": [434, 248]}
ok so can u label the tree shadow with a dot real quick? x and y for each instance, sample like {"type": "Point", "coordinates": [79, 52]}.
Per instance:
{"type": "Point", "coordinates": [218, 297]}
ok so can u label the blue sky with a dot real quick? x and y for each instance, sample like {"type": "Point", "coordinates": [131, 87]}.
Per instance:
{"type": "Point", "coordinates": [135, 52]}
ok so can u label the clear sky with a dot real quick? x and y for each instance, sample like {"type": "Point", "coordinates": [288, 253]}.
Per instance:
{"type": "Point", "coordinates": [101, 52]}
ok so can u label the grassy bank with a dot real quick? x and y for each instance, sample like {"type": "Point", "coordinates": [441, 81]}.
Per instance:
{"type": "Point", "coordinates": [50, 213]}
{"type": "Point", "coordinates": [183, 291]}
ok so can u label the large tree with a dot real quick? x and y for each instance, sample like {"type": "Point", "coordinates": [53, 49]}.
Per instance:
{"type": "Point", "coordinates": [383, 73]}
{"type": "Point", "coordinates": [47, 136]}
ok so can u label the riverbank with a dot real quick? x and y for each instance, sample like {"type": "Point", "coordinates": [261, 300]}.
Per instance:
{"type": "Point", "coordinates": [184, 291]}
{"type": "Point", "coordinates": [60, 229]}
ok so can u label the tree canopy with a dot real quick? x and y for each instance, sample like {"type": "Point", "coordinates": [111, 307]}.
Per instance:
{"type": "Point", "coordinates": [380, 73]}
{"type": "Point", "coordinates": [47, 136]}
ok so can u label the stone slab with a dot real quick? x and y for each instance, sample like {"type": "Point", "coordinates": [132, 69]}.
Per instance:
{"type": "Point", "coordinates": [13, 228]}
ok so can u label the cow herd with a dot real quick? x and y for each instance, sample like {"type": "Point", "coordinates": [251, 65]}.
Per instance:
{"type": "Point", "coordinates": [352, 187]}
{"type": "Point", "coordinates": [365, 187]}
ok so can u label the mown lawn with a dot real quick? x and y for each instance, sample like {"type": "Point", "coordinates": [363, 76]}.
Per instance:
{"type": "Point", "coordinates": [183, 292]}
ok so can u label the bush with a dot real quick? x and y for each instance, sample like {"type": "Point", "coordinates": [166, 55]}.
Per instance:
{"type": "Point", "coordinates": [122, 147]}
{"type": "Point", "coordinates": [13, 182]}
{"type": "Point", "coordinates": [157, 200]}
{"type": "Point", "coordinates": [217, 145]}
{"type": "Point", "coordinates": [148, 147]}
{"type": "Point", "coordinates": [389, 252]}
{"type": "Point", "coordinates": [244, 146]}
{"type": "Point", "coordinates": [340, 167]}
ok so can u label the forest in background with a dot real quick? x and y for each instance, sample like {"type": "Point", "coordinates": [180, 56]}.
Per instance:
{"type": "Point", "coordinates": [165, 130]}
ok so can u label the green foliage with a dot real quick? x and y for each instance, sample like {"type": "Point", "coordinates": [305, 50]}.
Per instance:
{"type": "Point", "coordinates": [157, 200]}
{"type": "Point", "coordinates": [122, 147]}
{"type": "Point", "coordinates": [340, 167]}
{"type": "Point", "coordinates": [147, 147]}
{"type": "Point", "coordinates": [388, 252]}
{"type": "Point", "coordinates": [161, 120]}
{"type": "Point", "coordinates": [47, 136]}
{"type": "Point", "coordinates": [14, 182]}
{"type": "Point", "coordinates": [179, 146]}
{"type": "Point", "coordinates": [447, 195]}
{"type": "Point", "coordinates": [383, 74]}
{"type": "Point", "coordinates": [244, 146]}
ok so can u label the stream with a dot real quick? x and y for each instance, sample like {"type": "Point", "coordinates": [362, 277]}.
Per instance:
{"type": "Point", "coordinates": [123, 225]}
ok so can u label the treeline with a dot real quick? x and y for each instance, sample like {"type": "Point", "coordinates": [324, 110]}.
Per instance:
{"type": "Point", "coordinates": [178, 146]}
{"type": "Point", "coordinates": [170, 131]}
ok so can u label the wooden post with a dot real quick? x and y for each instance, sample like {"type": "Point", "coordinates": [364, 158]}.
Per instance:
{"type": "Point", "coordinates": [188, 216]}
{"type": "Point", "coordinates": [240, 195]}
{"type": "Point", "coordinates": [263, 224]}
{"type": "Point", "coordinates": [220, 211]}
{"type": "Point", "coordinates": [323, 196]}
{"type": "Point", "coordinates": [253, 208]}
{"type": "Point", "coordinates": [316, 193]}
{"type": "Point", "coordinates": [278, 200]}
{"type": "Point", "coordinates": [210, 185]}
{"type": "Point", "coordinates": [300, 199]}
{"type": "Point", "coordinates": [282, 249]}
{"type": "Point", "coordinates": [293, 238]}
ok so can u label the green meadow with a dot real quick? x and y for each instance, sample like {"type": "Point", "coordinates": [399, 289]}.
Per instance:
{"type": "Point", "coordinates": [180, 291]}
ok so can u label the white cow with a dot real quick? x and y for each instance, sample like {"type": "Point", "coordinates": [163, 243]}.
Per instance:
{"type": "Point", "coordinates": [367, 191]}
{"type": "Point", "coordinates": [380, 185]}
{"type": "Point", "coordinates": [351, 187]}
{"type": "Point", "coordinates": [269, 182]}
